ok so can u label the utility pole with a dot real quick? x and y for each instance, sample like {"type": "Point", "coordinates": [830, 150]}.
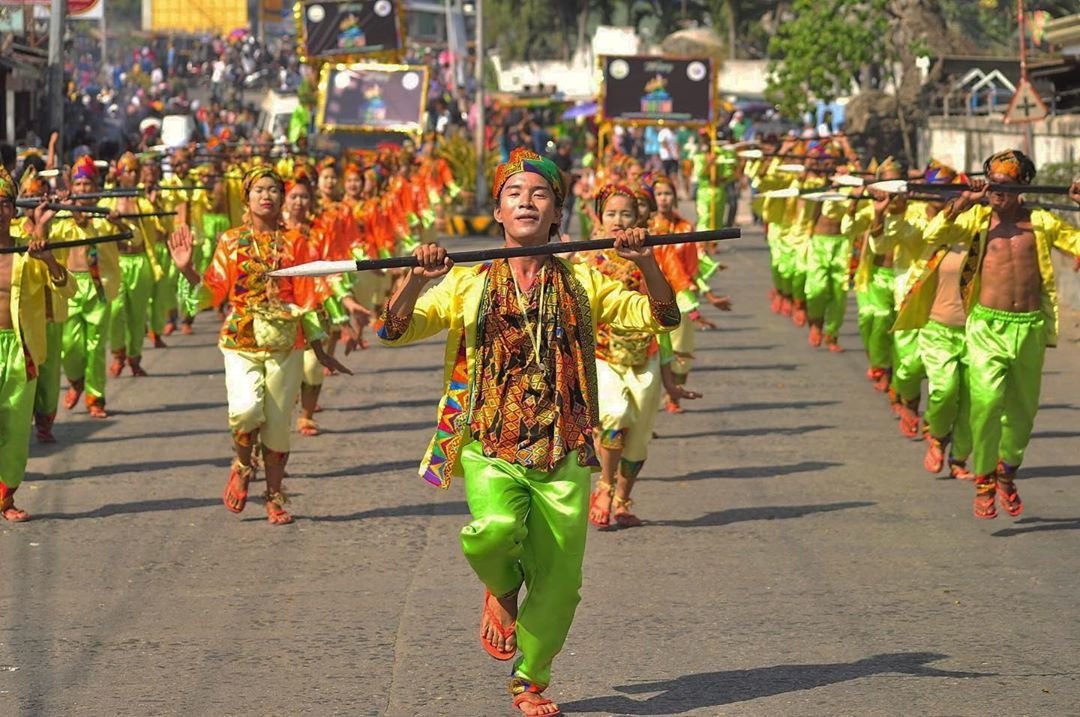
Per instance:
{"type": "Point", "coordinates": [57, 15]}
{"type": "Point", "coordinates": [1029, 140]}
{"type": "Point", "coordinates": [478, 138]}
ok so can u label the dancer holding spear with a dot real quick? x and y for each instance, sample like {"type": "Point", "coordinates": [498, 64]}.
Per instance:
{"type": "Point", "coordinates": [519, 411]}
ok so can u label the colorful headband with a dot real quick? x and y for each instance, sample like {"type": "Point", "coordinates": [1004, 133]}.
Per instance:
{"type": "Point", "coordinates": [1012, 163]}
{"type": "Point", "coordinates": [887, 166]}
{"type": "Point", "coordinates": [8, 190]}
{"type": "Point", "coordinates": [84, 169]}
{"type": "Point", "coordinates": [327, 163]}
{"type": "Point", "coordinates": [258, 173]}
{"type": "Point", "coordinates": [128, 162]}
{"type": "Point", "coordinates": [353, 168]}
{"type": "Point", "coordinates": [300, 178]}
{"type": "Point", "coordinates": [30, 184]}
{"type": "Point", "coordinates": [938, 173]}
{"type": "Point", "coordinates": [656, 178]}
{"type": "Point", "coordinates": [524, 160]}
{"type": "Point", "coordinates": [643, 190]}
{"type": "Point", "coordinates": [610, 190]}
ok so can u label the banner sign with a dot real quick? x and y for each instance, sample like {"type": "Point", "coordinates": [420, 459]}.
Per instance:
{"type": "Point", "coordinates": [372, 97]}
{"type": "Point", "coordinates": [338, 30]}
{"type": "Point", "coordinates": [658, 90]}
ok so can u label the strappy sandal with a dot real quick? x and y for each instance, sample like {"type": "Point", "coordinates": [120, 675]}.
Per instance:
{"type": "Point", "coordinates": [521, 689]}
{"type": "Point", "coordinates": [307, 426]}
{"type": "Point", "coordinates": [542, 702]}
{"type": "Point", "coordinates": [275, 508]}
{"type": "Point", "coordinates": [909, 422]}
{"type": "Point", "coordinates": [236, 490]}
{"type": "Point", "coordinates": [488, 617]}
{"type": "Point", "coordinates": [983, 506]}
{"type": "Point", "coordinates": [1006, 490]}
{"type": "Point", "coordinates": [601, 519]}
{"type": "Point", "coordinates": [96, 408]}
{"type": "Point", "coordinates": [934, 460]}
{"type": "Point", "coordinates": [627, 519]}
{"type": "Point", "coordinates": [10, 513]}
{"type": "Point", "coordinates": [959, 471]}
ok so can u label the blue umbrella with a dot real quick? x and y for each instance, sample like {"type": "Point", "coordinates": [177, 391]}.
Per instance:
{"type": "Point", "coordinates": [586, 110]}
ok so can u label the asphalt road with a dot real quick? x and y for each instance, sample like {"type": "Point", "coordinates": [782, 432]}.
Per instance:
{"type": "Point", "coordinates": [798, 560]}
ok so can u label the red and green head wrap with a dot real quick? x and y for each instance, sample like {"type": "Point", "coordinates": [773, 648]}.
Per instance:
{"type": "Point", "coordinates": [258, 173]}
{"type": "Point", "coordinates": [524, 160]}
{"type": "Point", "coordinates": [939, 173]}
{"type": "Point", "coordinates": [608, 191]}
{"type": "Point", "coordinates": [1011, 163]}
{"type": "Point", "coordinates": [8, 190]}
{"type": "Point", "coordinates": [644, 190]}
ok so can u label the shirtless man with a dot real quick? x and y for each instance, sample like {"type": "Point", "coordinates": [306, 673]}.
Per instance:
{"type": "Point", "coordinates": [1011, 298]}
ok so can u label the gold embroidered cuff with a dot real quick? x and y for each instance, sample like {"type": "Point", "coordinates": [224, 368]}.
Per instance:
{"type": "Point", "coordinates": [394, 325]}
{"type": "Point", "coordinates": [665, 312]}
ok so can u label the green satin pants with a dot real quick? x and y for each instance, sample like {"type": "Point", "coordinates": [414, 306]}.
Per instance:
{"type": "Point", "coordinates": [165, 295]}
{"type": "Point", "coordinates": [16, 407]}
{"type": "Point", "coordinates": [876, 316]}
{"type": "Point", "coordinates": [129, 308]}
{"type": "Point", "coordinates": [826, 280]}
{"type": "Point", "coordinates": [783, 255]}
{"type": "Point", "coordinates": [710, 205]}
{"type": "Point", "coordinates": [86, 334]}
{"type": "Point", "coordinates": [908, 370]}
{"type": "Point", "coordinates": [528, 527]}
{"type": "Point", "coordinates": [1005, 358]}
{"type": "Point", "coordinates": [948, 408]}
{"type": "Point", "coordinates": [47, 393]}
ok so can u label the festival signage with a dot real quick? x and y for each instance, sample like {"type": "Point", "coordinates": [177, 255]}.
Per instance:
{"type": "Point", "coordinates": [371, 97]}
{"type": "Point", "coordinates": [343, 30]}
{"type": "Point", "coordinates": [658, 90]}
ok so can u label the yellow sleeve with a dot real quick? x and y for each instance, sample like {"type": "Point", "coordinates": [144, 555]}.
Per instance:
{"type": "Point", "coordinates": [433, 313]}
{"type": "Point", "coordinates": [617, 306]}
{"type": "Point", "coordinates": [1061, 234]}
{"type": "Point", "coordinates": [962, 230]}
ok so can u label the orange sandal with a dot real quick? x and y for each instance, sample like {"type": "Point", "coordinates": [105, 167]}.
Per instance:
{"type": "Point", "coordinates": [627, 519]}
{"type": "Point", "coordinates": [934, 460]}
{"type": "Point", "coordinates": [488, 617]}
{"type": "Point", "coordinates": [234, 499]}
{"type": "Point", "coordinates": [10, 513]}
{"type": "Point", "coordinates": [543, 701]}
{"type": "Point", "coordinates": [1009, 497]}
{"type": "Point", "coordinates": [983, 506]}
{"type": "Point", "coordinates": [307, 426]}
{"type": "Point", "coordinates": [275, 508]}
{"type": "Point", "coordinates": [601, 518]}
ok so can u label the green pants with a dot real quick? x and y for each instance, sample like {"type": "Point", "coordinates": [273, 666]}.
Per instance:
{"type": "Point", "coordinates": [129, 308]}
{"type": "Point", "coordinates": [164, 296]}
{"type": "Point", "coordinates": [47, 394]}
{"type": "Point", "coordinates": [1005, 360]}
{"type": "Point", "coordinates": [948, 406]}
{"type": "Point", "coordinates": [908, 371]}
{"type": "Point", "coordinates": [16, 407]}
{"type": "Point", "coordinates": [710, 206]}
{"type": "Point", "coordinates": [772, 238]}
{"type": "Point", "coordinates": [783, 254]}
{"type": "Point", "coordinates": [876, 316]}
{"type": "Point", "coordinates": [826, 280]}
{"type": "Point", "coordinates": [528, 526]}
{"type": "Point", "coordinates": [86, 333]}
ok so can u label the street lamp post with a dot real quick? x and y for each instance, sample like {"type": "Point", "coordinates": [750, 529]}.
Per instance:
{"type": "Point", "coordinates": [478, 139]}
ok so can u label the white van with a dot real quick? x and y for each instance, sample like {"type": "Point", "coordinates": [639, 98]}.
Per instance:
{"type": "Point", "coordinates": [276, 111]}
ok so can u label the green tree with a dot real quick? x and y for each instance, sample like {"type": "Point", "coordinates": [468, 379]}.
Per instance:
{"type": "Point", "coordinates": [827, 48]}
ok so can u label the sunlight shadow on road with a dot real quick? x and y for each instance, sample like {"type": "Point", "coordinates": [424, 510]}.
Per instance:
{"type": "Point", "coordinates": [139, 506]}
{"type": "Point", "coordinates": [396, 511]}
{"type": "Point", "coordinates": [713, 689]}
{"type": "Point", "coordinates": [752, 471]}
{"type": "Point", "coordinates": [749, 432]}
{"type": "Point", "coordinates": [721, 518]}
{"type": "Point", "coordinates": [1038, 525]}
